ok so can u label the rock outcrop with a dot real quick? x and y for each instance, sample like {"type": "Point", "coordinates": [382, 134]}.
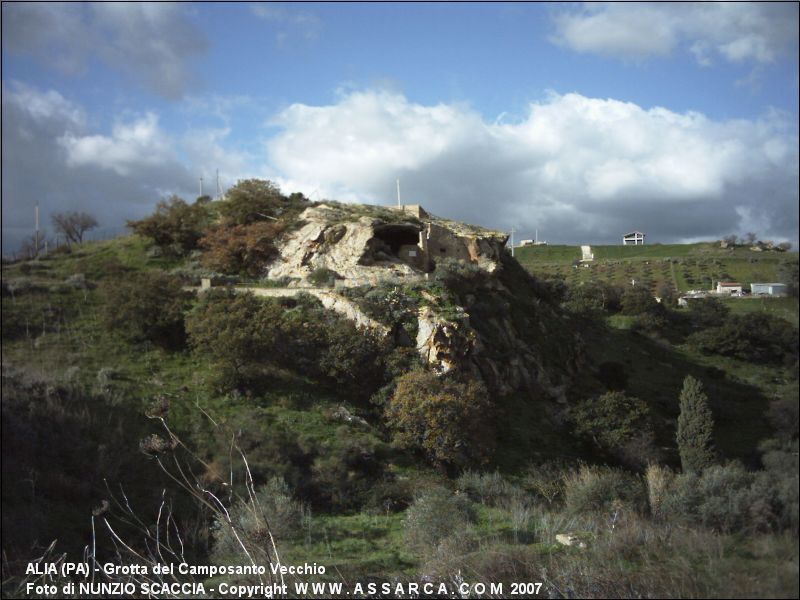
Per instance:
{"type": "Point", "coordinates": [366, 244]}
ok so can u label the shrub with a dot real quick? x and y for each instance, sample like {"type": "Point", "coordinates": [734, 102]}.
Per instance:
{"type": "Point", "coordinates": [637, 300]}
{"type": "Point", "coordinates": [708, 312]}
{"type": "Point", "coordinates": [545, 481]}
{"type": "Point", "coordinates": [435, 515]}
{"type": "Point", "coordinates": [612, 419]}
{"type": "Point", "coordinates": [725, 498]}
{"type": "Point", "coordinates": [754, 337]}
{"type": "Point", "coordinates": [271, 511]}
{"type": "Point", "coordinates": [240, 249]}
{"type": "Point", "coordinates": [593, 297]}
{"type": "Point", "coordinates": [238, 332]}
{"type": "Point", "coordinates": [448, 419]}
{"type": "Point", "coordinates": [659, 480]}
{"type": "Point", "coordinates": [146, 306]}
{"type": "Point", "coordinates": [252, 200]}
{"type": "Point", "coordinates": [323, 277]}
{"type": "Point", "coordinates": [695, 427]}
{"type": "Point", "coordinates": [490, 489]}
{"type": "Point", "coordinates": [175, 226]}
{"type": "Point", "coordinates": [593, 489]}
{"type": "Point", "coordinates": [345, 474]}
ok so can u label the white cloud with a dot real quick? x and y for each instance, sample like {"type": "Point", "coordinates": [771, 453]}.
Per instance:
{"type": "Point", "coordinates": [576, 167]}
{"type": "Point", "coordinates": [131, 145]}
{"type": "Point", "coordinates": [757, 32]}
{"type": "Point", "coordinates": [153, 42]}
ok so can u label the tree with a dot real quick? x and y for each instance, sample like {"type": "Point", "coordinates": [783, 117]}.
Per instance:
{"type": "Point", "coordinates": [175, 226]}
{"type": "Point", "coordinates": [448, 419]}
{"type": "Point", "coordinates": [252, 200]}
{"type": "Point", "coordinates": [146, 306]}
{"type": "Point", "coordinates": [240, 249]}
{"type": "Point", "coordinates": [695, 428]}
{"type": "Point", "coordinates": [637, 300]}
{"type": "Point", "coordinates": [708, 312]}
{"type": "Point", "coordinates": [73, 225]}
{"type": "Point", "coordinates": [239, 332]}
{"type": "Point", "coordinates": [750, 238]}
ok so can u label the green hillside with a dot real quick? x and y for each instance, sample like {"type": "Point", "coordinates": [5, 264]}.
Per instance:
{"type": "Point", "coordinates": [682, 266]}
{"type": "Point", "coordinates": [281, 410]}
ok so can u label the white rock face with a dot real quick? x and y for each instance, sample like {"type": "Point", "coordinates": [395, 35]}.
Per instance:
{"type": "Point", "coordinates": [355, 244]}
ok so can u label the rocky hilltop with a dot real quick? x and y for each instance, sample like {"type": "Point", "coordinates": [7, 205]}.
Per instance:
{"type": "Point", "coordinates": [464, 303]}
{"type": "Point", "coordinates": [369, 244]}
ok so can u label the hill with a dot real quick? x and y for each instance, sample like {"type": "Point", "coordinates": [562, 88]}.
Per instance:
{"type": "Point", "coordinates": [456, 435]}
{"type": "Point", "coordinates": [680, 266]}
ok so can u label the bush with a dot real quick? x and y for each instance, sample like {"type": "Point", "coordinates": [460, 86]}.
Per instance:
{"type": "Point", "coordinates": [593, 297]}
{"type": "Point", "coordinates": [637, 300]}
{"type": "Point", "coordinates": [725, 498]}
{"type": "Point", "coordinates": [346, 473]}
{"type": "Point", "coordinates": [490, 489]}
{"type": "Point", "coordinates": [754, 337]}
{"type": "Point", "coordinates": [434, 516]}
{"type": "Point", "coordinates": [594, 489]}
{"type": "Point", "coordinates": [448, 419]}
{"type": "Point", "coordinates": [708, 312]}
{"type": "Point", "coordinates": [612, 420]}
{"type": "Point", "coordinates": [322, 277]}
{"type": "Point", "coordinates": [271, 511]}
{"type": "Point", "coordinates": [146, 306]}
{"type": "Point", "coordinates": [175, 226]}
{"type": "Point", "coordinates": [240, 249]}
{"type": "Point", "coordinates": [252, 200]}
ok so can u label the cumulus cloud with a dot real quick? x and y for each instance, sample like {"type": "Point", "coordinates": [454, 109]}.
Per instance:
{"type": "Point", "coordinates": [60, 163]}
{"type": "Point", "coordinates": [153, 42]}
{"type": "Point", "coordinates": [754, 32]}
{"type": "Point", "coordinates": [575, 168]}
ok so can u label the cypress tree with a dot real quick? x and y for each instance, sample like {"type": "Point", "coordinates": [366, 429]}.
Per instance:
{"type": "Point", "coordinates": [695, 428]}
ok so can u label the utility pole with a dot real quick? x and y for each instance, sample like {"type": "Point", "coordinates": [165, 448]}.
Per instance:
{"type": "Point", "coordinates": [219, 189]}
{"type": "Point", "coordinates": [398, 192]}
{"type": "Point", "coordinates": [36, 212]}
{"type": "Point", "coordinates": [201, 186]}
{"type": "Point", "coordinates": [512, 240]}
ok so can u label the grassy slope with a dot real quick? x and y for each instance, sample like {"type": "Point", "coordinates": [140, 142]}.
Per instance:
{"type": "Point", "coordinates": [78, 347]}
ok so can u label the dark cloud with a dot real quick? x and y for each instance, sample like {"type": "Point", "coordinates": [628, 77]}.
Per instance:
{"type": "Point", "coordinates": [122, 184]}
{"type": "Point", "coordinates": [153, 42]}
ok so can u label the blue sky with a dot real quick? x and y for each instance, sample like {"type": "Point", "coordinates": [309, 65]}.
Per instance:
{"type": "Point", "coordinates": [581, 121]}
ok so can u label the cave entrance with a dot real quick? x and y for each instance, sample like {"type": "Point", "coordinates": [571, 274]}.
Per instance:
{"type": "Point", "coordinates": [397, 236]}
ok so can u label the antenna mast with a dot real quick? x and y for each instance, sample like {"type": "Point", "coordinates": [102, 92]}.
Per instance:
{"type": "Point", "coordinates": [512, 240]}
{"type": "Point", "coordinates": [219, 189]}
{"type": "Point", "coordinates": [201, 186]}
{"type": "Point", "coordinates": [36, 212]}
{"type": "Point", "coordinates": [398, 192]}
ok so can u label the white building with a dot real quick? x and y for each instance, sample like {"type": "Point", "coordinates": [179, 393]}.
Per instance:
{"type": "Point", "coordinates": [634, 238]}
{"type": "Point", "coordinates": [769, 289]}
{"type": "Point", "coordinates": [730, 288]}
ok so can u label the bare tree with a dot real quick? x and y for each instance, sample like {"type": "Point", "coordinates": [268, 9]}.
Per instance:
{"type": "Point", "coordinates": [32, 245]}
{"type": "Point", "coordinates": [750, 238]}
{"type": "Point", "coordinates": [73, 225]}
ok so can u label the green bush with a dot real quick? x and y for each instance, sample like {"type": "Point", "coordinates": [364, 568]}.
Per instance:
{"type": "Point", "coordinates": [619, 424]}
{"type": "Point", "coordinates": [175, 226]}
{"type": "Point", "coordinates": [593, 489]}
{"type": "Point", "coordinates": [448, 419]}
{"type": "Point", "coordinates": [726, 498]}
{"type": "Point", "coordinates": [435, 515]}
{"type": "Point", "coordinates": [754, 337]}
{"type": "Point", "coordinates": [490, 489]}
{"type": "Point", "coordinates": [323, 277]}
{"type": "Point", "coordinates": [146, 306]}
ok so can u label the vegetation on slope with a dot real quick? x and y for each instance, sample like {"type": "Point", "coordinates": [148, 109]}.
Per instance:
{"type": "Point", "coordinates": [279, 409]}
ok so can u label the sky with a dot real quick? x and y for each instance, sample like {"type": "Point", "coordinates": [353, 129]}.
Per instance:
{"type": "Point", "coordinates": [579, 122]}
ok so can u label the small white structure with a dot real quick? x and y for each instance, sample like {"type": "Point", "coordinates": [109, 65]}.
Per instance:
{"type": "Point", "coordinates": [769, 289]}
{"type": "Point", "coordinates": [634, 238]}
{"type": "Point", "coordinates": [731, 288]}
